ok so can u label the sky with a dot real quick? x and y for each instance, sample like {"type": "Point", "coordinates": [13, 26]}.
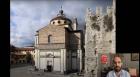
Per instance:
{"type": "Point", "coordinates": [28, 16]}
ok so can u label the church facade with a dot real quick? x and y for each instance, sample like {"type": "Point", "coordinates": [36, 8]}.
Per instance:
{"type": "Point", "coordinates": [60, 45]}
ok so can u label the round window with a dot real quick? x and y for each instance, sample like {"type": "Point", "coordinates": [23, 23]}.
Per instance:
{"type": "Point", "coordinates": [53, 22]}
{"type": "Point", "coordinates": [59, 22]}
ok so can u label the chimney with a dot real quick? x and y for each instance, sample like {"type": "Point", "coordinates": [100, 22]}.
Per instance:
{"type": "Point", "coordinates": [75, 23]}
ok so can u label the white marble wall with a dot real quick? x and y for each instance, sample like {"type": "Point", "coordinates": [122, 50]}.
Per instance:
{"type": "Point", "coordinates": [58, 63]}
{"type": "Point", "coordinates": [62, 63]}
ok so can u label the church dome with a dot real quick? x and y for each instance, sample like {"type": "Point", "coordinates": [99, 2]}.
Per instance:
{"type": "Point", "coordinates": [60, 19]}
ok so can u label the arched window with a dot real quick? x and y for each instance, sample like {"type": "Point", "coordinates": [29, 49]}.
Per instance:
{"type": "Point", "coordinates": [49, 38]}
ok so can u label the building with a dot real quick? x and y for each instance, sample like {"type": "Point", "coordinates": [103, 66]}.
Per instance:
{"type": "Point", "coordinates": [59, 45]}
{"type": "Point", "coordinates": [12, 58]}
{"type": "Point", "coordinates": [99, 37]}
{"type": "Point", "coordinates": [19, 55]}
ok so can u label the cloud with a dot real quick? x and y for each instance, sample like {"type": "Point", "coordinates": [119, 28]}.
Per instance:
{"type": "Point", "coordinates": [27, 20]}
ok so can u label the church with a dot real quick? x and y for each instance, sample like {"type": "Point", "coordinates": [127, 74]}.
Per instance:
{"type": "Point", "coordinates": [60, 45]}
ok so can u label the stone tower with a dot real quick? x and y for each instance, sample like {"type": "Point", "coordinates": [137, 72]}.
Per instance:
{"type": "Point", "coordinates": [99, 37]}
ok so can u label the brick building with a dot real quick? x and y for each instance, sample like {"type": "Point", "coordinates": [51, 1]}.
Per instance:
{"type": "Point", "coordinates": [60, 45]}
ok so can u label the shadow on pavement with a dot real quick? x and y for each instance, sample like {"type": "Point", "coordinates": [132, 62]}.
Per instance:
{"type": "Point", "coordinates": [19, 65]}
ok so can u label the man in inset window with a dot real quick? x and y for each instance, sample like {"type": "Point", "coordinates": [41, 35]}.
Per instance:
{"type": "Point", "coordinates": [118, 71]}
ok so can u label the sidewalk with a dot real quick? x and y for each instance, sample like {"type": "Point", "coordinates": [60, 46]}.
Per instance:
{"type": "Point", "coordinates": [28, 71]}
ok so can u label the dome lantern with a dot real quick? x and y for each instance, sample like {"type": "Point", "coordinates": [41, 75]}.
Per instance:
{"type": "Point", "coordinates": [61, 13]}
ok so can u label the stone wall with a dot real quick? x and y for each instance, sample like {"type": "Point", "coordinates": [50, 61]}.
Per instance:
{"type": "Point", "coordinates": [99, 37]}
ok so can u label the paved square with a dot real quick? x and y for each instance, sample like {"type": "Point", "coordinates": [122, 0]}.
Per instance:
{"type": "Point", "coordinates": [26, 71]}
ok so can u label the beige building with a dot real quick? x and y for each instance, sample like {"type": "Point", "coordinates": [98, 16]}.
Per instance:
{"type": "Point", "coordinates": [60, 45]}
{"type": "Point", "coordinates": [19, 55]}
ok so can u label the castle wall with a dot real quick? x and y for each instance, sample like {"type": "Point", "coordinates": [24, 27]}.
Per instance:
{"type": "Point", "coordinates": [99, 38]}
